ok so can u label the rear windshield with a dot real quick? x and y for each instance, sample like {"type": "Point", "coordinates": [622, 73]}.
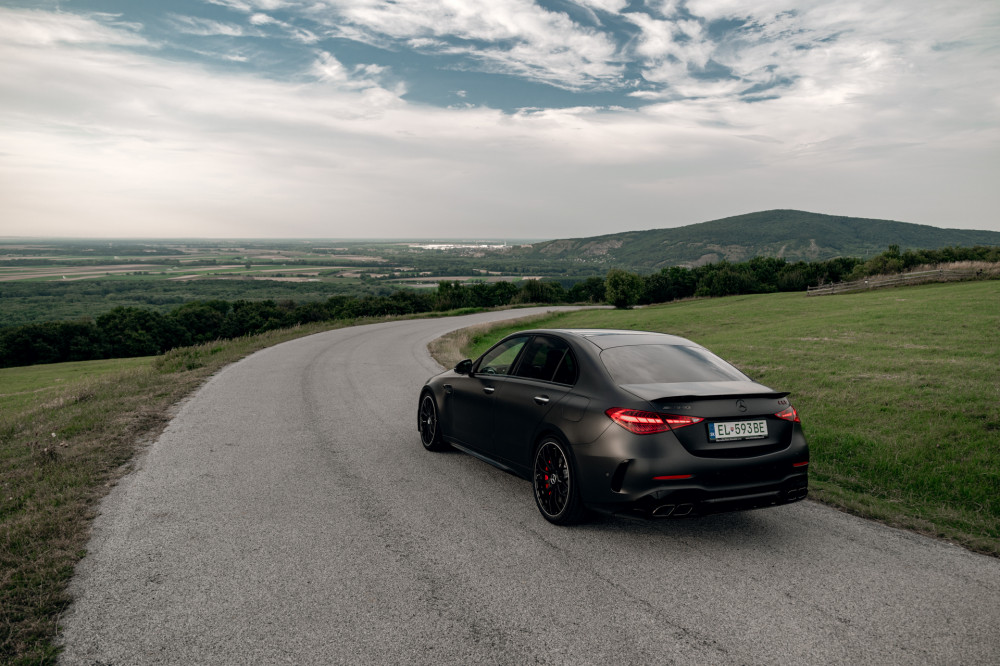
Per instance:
{"type": "Point", "coordinates": [667, 364]}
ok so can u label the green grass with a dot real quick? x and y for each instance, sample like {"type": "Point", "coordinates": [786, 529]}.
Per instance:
{"type": "Point", "coordinates": [22, 387]}
{"type": "Point", "coordinates": [899, 392]}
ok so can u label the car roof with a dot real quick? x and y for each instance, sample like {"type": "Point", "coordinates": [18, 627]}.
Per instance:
{"type": "Point", "coordinates": [606, 338]}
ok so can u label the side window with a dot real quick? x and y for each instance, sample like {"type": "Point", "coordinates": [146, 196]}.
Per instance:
{"type": "Point", "coordinates": [547, 359]}
{"type": "Point", "coordinates": [498, 361]}
{"type": "Point", "coordinates": [566, 373]}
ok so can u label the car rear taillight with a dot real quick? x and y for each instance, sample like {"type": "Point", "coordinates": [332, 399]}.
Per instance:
{"type": "Point", "coordinates": [647, 423]}
{"type": "Point", "coordinates": [675, 421]}
{"type": "Point", "coordinates": [789, 414]}
{"type": "Point", "coordinates": [637, 421]}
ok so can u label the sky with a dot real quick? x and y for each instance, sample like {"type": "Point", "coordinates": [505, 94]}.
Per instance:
{"type": "Point", "coordinates": [499, 119]}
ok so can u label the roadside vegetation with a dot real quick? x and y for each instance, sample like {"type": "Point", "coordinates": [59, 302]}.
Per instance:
{"type": "Point", "coordinates": [899, 391]}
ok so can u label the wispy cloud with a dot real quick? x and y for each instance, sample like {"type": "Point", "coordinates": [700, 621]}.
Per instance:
{"type": "Point", "coordinates": [193, 25]}
{"type": "Point", "coordinates": [360, 77]}
{"type": "Point", "coordinates": [253, 5]}
{"type": "Point", "coordinates": [262, 19]}
{"type": "Point", "coordinates": [39, 28]}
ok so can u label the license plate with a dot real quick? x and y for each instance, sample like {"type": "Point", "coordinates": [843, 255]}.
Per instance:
{"type": "Point", "coordinates": [721, 432]}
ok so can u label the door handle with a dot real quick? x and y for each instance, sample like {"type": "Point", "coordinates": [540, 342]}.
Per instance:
{"type": "Point", "coordinates": [541, 399]}
{"type": "Point", "coordinates": [488, 389]}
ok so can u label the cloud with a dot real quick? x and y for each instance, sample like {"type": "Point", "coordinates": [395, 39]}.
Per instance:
{"type": "Point", "coordinates": [723, 49]}
{"type": "Point", "coordinates": [122, 138]}
{"type": "Point", "coordinates": [262, 19]}
{"type": "Point", "coordinates": [506, 36]}
{"type": "Point", "coordinates": [361, 77]}
{"type": "Point", "coordinates": [38, 28]}
{"type": "Point", "coordinates": [253, 5]}
{"type": "Point", "coordinates": [890, 117]}
{"type": "Point", "coordinates": [872, 56]}
{"type": "Point", "coordinates": [298, 34]}
{"type": "Point", "coordinates": [303, 36]}
{"type": "Point", "coordinates": [193, 25]}
{"type": "Point", "coordinates": [238, 5]}
{"type": "Point", "coordinates": [612, 6]}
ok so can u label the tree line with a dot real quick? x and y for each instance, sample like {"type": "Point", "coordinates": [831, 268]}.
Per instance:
{"type": "Point", "coordinates": [127, 331]}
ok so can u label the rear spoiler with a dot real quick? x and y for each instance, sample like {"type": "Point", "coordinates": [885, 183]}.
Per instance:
{"type": "Point", "coordinates": [712, 396]}
{"type": "Point", "coordinates": [702, 390]}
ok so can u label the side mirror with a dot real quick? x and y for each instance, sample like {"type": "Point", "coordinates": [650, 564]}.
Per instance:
{"type": "Point", "coordinates": [464, 367]}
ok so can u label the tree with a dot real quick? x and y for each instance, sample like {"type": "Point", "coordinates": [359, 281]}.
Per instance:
{"type": "Point", "coordinates": [725, 279]}
{"type": "Point", "coordinates": [50, 342]}
{"type": "Point", "coordinates": [139, 332]}
{"type": "Point", "coordinates": [591, 290]}
{"type": "Point", "coordinates": [623, 289]}
{"type": "Point", "coordinates": [451, 295]}
{"type": "Point", "coordinates": [503, 293]}
{"type": "Point", "coordinates": [202, 320]}
{"type": "Point", "coordinates": [541, 291]}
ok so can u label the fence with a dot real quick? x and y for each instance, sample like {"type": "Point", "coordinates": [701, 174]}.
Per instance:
{"type": "Point", "coordinates": [878, 281]}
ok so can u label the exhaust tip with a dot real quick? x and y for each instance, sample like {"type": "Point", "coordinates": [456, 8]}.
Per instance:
{"type": "Point", "coordinates": [797, 494]}
{"type": "Point", "coordinates": [663, 510]}
{"type": "Point", "coordinates": [684, 509]}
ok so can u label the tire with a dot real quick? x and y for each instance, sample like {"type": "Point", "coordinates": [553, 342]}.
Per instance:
{"type": "Point", "coordinates": [427, 424]}
{"type": "Point", "coordinates": [557, 493]}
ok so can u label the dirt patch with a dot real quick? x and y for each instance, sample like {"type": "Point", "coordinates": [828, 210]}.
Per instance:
{"type": "Point", "coordinates": [447, 350]}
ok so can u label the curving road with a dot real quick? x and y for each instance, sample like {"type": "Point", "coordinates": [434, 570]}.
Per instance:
{"type": "Point", "coordinates": [288, 514]}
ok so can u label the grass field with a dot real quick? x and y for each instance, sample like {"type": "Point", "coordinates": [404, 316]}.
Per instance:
{"type": "Point", "coordinates": [899, 392]}
{"type": "Point", "coordinates": [22, 387]}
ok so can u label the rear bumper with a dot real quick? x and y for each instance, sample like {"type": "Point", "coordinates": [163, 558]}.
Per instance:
{"type": "Point", "coordinates": [632, 474]}
{"type": "Point", "coordinates": [682, 502]}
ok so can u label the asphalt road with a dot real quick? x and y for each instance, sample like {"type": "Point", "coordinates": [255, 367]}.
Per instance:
{"type": "Point", "coordinates": [289, 514]}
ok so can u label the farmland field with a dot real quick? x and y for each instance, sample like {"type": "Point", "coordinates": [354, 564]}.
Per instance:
{"type": "Point", "coordinates": [66, 280]}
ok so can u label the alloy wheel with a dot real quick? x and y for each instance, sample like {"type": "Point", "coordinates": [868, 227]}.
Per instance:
{"type": "Point", "coordinates": [553, 482]}
{"type": "Point", "coordinates": [427, 422]}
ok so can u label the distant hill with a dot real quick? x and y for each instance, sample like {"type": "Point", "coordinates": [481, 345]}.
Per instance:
{"type": "Point", "coordinates": [790, 234]}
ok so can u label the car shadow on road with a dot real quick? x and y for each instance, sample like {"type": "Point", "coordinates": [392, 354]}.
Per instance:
{"type": "Point", "coordinates": [775, 526]}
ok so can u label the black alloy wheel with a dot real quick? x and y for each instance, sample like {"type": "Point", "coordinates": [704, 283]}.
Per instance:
{"type": "Point", "coordinates": [427, 423]}
{"type": "Point", "coordinates": [556, 492]}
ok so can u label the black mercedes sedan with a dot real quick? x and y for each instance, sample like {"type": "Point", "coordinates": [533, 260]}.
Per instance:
{"type": "Point", "coordinates": [622, 422]}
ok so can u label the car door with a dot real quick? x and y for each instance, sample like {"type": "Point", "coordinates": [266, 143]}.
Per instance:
{"type": "Point", "coordinates": [472, 399]}
{"type": "Point", "coordinates": [545, 374]}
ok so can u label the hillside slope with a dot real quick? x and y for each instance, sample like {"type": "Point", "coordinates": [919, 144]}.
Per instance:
{"type": "Point", "coordinates": [791, 234]}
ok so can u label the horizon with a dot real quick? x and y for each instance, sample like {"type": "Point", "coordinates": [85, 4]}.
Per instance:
{"type": "Point", "coordinates": [518, 118]}
{"type": "Point", "coordinates": [261, 239]}
{"type": "Point", "coordinates": [469, 240]}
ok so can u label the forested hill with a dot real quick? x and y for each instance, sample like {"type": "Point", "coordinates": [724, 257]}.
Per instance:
{"type": "Point", "coordinates": [790, 234]}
